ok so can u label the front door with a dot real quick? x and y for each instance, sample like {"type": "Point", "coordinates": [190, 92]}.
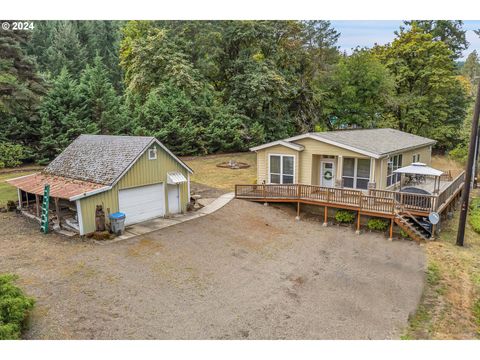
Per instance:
{"type": "Point", "coordinates": [327, 173]}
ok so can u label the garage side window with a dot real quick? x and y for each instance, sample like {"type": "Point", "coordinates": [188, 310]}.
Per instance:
{"type": "Point", "coordinates": [282, 169]}
{"type": "Point", "coordinates": [152, 154]}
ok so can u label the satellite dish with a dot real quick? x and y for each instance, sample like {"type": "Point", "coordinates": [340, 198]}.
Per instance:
{"type": "Point", "coordinates": [434, 218]}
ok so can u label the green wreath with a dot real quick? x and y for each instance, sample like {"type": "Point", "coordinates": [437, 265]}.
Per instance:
{"type": "Point", "coordinates": [328, 175]}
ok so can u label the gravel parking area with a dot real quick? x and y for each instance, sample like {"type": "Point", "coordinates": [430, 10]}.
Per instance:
{"type": "Point", "coordinates": [245, 272]}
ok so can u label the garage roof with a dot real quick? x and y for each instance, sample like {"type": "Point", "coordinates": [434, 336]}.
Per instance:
{"type": "Point", "coordinates": [102, 159]}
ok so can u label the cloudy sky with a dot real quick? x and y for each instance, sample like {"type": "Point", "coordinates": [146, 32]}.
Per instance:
{"type": "Point", "coordinates": [367, 33]}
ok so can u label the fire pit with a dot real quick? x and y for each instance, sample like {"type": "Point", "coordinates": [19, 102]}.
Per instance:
{"type": "Point", "coordinates": [233, 164]}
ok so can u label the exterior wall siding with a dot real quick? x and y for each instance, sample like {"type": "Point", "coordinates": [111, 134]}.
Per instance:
{"type": "Point", "coordinates": [307, 167]}
{"type": "Point", "coordinates": [143, 172]}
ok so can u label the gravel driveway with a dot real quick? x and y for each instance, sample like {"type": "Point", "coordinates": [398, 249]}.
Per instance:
{"type": "Point", "coordinates": [245, 272]}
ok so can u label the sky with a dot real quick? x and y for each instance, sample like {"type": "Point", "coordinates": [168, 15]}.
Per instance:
{"type": "Point", "coordinates": [367, 33]}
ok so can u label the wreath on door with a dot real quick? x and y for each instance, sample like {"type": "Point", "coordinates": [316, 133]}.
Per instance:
{"type": "Point", "coordinates": [327, 175]}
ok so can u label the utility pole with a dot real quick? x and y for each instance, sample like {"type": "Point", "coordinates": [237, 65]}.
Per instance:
{"type": "Point", "coordinates": [468, 174]}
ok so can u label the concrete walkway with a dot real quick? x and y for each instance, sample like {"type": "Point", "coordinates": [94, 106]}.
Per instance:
{"type": "Point", "coordinates": [161, 223]}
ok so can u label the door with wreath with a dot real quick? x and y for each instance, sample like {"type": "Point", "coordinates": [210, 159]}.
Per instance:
{"type": "Point", "coordinates": [327, 174]}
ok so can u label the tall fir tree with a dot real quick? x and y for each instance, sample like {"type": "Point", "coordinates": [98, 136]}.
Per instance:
{"type": "Point", "coordinates": [61, 119]}
{"type": "Point", "coordinates": [99, 103]}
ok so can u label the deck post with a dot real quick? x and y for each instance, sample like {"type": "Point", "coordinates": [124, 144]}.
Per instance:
{"type": "Point", "coordinates": [37, 204]}
{"type": "Point", "coordinates": [325, 216]}
{"type": "Point", "coordinates": [358, 223]}
{"type": "Point", "coordinates": [19, 193]}
{"type": "Point", "coordinates": [298, 211]}
{"type": "Point", "coordinates": [391, 230]}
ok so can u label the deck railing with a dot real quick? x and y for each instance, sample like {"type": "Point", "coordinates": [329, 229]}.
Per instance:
{"type": "Point", "coordinates": [380, 201]}
{"type": "Point", "coordinates": [449, 191]}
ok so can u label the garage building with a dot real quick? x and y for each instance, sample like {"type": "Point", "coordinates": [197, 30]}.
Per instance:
{"type": "Point", "coordinates": [136, 175]}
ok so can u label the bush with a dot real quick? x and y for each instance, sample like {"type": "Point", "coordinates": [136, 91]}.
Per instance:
{"type": "Point", "coordinates": [474, 216]}
{"type": "Point", "coordinates": [14, 308]}
{"type": "Point", "coordinates": [377, 224]}
{"type": "Point", "coordinates": [11, 155]}
{"type": "Point", "coordinates": [345, 217]}
{"type": "Point", "coordinates": [403, 234]}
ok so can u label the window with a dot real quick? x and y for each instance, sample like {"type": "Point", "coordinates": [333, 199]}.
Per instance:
{"type": "Point", "coordinates": [393, 164]}
{"type": "Point", "coordinates": [416, 158]}
{"type": "Point", "coordinates": [152, 154]}
{"type": "Point", "coordinates": [356, 173]}
{"type": "Point", "coordinates": [282, 169]}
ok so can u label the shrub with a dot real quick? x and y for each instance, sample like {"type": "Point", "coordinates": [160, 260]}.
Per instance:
{"type": "Point", "coordinates": [14, 308]}
{"type": "Point", "coordinates": [474, 216]}
{"type": "Point", "coordinates": [346, 217]}
{"type": "Point", "coordinates": [11, 155]}
{"type": "Point", "coordinates": [403, 234]}
{"type": "Point", "coordinates": [377, 224]}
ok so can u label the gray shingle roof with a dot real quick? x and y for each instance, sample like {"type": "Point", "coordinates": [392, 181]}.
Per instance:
{"type": "Point", "coordinates": [376, 141]}
{"type": "Point", "coordinates": [98, 158]}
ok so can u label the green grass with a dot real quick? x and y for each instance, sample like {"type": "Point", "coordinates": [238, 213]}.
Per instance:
{"type": "Point", "coordinates": [7, 191]}
{"type": "Point", "coordinates": [207, 173]}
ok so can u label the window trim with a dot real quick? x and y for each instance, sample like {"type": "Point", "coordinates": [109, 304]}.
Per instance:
{"type": "Point", "coordinates": [281, 168]}
{"type": "Point", "coordinates": [355, 176]}
{"type": "Point", "coordinates": [154, 149]}
{"type": "Point", "coordinates": [416, 158]}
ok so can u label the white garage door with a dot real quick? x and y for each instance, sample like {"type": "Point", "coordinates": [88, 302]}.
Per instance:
{"type": "Point", "coordinates": [142, 203]}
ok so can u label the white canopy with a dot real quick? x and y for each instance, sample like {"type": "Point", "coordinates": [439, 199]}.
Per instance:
{"type": "Point", "coordinates": [175, 177]}
{"type": "Point", "coordinates": [418, 168]}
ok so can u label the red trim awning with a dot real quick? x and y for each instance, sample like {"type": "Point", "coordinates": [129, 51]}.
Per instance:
{"type": "Point", "coordinates": [60, 187]}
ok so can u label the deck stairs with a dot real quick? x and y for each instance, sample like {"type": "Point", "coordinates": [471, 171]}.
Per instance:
{"type": "Point", "coordinates": [416, 229]}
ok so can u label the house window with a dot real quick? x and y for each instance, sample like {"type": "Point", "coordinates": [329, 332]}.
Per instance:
{"type": "Point", "coordinates": [282, 169]}
{"type": "Point", "coordinates": [394, 163]}
{"type": "Point", "coordinates": [356, 173]}
{"type": "Point", "coordinates": [152, 154]}
{"type": "Point", "coordinates": [416, 158]}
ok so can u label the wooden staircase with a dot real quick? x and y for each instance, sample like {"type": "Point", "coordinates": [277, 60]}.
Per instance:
{"type": "Point", "coordinates": [412, 227]}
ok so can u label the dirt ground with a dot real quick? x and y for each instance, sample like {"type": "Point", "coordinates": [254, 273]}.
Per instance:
{"type": "Point", "coordinates": [245, 272]}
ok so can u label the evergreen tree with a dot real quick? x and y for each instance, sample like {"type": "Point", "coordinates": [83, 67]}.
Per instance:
{"type": "Point", "coordinates": [20, 90]}
{"type": "Point", "coordinates": [99, 103]}
{"type": "Point", "coordinates": [60, 115]}
{"type": "Point", "coordinates": [471, 68]}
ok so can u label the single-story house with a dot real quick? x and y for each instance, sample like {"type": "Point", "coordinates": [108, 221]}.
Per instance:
{"type": "Point", "coordinates": [358, 159]}
{"type": "Point", "coordinates": [136, 175]}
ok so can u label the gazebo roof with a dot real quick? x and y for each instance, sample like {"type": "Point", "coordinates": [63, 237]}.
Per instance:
{"type": "Point", "coordinates": [418, 168]}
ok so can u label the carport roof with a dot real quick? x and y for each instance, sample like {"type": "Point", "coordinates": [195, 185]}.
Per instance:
{"type": "Point", "coordinates": [60, 187]}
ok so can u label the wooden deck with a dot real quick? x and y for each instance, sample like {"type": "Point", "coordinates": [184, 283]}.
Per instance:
{"type": "Point", "coordinates": [382, 203]}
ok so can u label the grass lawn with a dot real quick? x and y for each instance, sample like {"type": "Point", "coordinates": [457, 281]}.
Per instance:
{"type": "Point", "coordinates": [450, 307]}
{"type": "Point", "coordinates": [206, 171]}
{"type": "Point", "coordinates": [8, 192]}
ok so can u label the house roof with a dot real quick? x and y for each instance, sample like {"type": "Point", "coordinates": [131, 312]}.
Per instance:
{"type": "Point", "coordinates": [60, 187]}
{"type": "Point", "coordinates": [290, 145]}
{"type": "Point", "coordinates": [375, 143]}
{"type": "Point", "coordinates": [102, 159]}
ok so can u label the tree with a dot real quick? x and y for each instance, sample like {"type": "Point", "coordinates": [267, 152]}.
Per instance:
{"type": "Point", "coordinates": [429, 98]}
{"type": "Point", "coordinates": [60, 115]}
{"type": "Point", "coordinates": [21, 89]}
{"type": "Point", "coordinates": [471, 68]}
{"type": "Point", "coordinates": [450, 32]}
{"type": "Point", "coordinates": [66, 50]}
{"type": "Point", "coordinates": [99, 104]}
{"type": "Point", "coordinates": [357, 92]}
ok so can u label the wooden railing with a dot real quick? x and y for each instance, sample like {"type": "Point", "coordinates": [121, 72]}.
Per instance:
{"type": "Point", "coordinates": [380, 201]}
{"type": "Point", "coordinates": [317, 194]}
{"type": "Point", "coordinates": [444, 197]}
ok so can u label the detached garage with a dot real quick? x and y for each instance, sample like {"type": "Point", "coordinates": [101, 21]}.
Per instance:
{"type": "Point", "coordinates": [136, 175]}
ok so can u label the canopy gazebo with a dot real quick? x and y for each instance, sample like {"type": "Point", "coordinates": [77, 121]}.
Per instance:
{"type": "Point", "coordinates": [418, 173]}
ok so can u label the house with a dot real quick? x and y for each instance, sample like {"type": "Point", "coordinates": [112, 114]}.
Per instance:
{"type": "Point", "coordinates": [358, 159]}
{"type": "Point", "coordinates": [136, 175]}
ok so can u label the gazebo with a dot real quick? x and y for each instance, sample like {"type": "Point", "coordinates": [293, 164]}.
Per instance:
{"type": "Point", "coordinates": [418, 172]}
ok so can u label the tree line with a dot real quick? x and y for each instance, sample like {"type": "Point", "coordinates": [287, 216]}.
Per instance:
{"type": "Point", "coordinates": [217, 86]}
